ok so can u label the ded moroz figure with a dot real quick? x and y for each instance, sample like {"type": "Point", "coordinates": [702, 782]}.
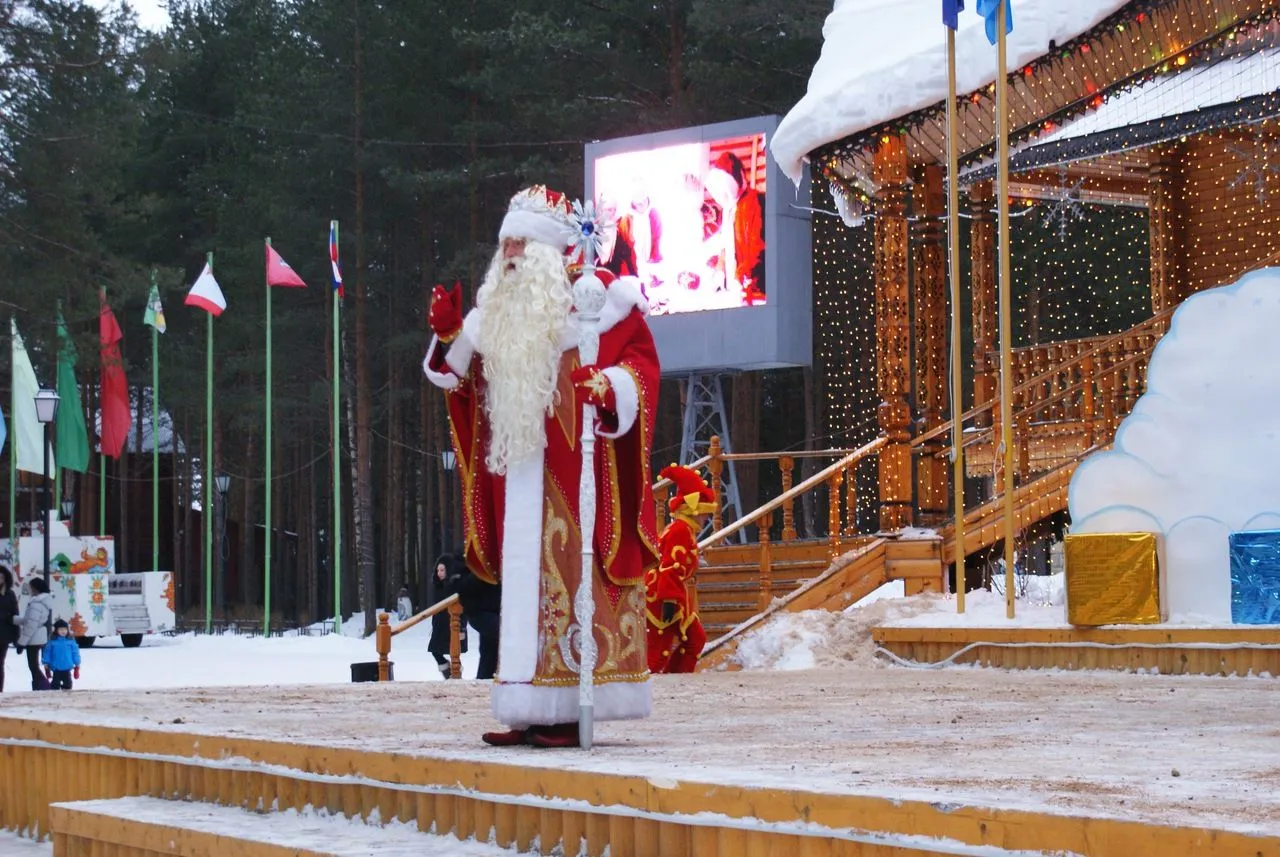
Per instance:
{"type": "Point", "coordinates": [515, 390]}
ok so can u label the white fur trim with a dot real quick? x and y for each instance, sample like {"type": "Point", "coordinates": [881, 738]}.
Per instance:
{"type": "Point", "coordinates": [443, 380]}
{"type": "Point", "coordinates": [522, 705]}
{"type": "Point", "coordinates": [462, 349]}
{"type": "Point", "coordinates": [534, 227]}
{"type": "Point", "coordinates": [521, 571]}
{"type": "Point", "coordinates": [627, 398]}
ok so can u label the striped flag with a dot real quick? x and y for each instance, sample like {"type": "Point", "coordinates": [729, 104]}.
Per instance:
{"type": "Point", "coordinates": [333, 259]}
{"type": "Point", "coordinates": [207, 294]}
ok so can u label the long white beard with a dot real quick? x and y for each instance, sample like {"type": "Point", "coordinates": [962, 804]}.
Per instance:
{"type": "Point", "coordinates": [525, 303]}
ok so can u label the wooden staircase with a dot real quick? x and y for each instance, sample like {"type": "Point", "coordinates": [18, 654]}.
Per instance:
{"type": "Point", "coordinates": [1068, 400]}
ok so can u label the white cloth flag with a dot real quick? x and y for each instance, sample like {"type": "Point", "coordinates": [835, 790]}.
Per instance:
{"type": "Point", "coordinates": [27, 432]}
{"type": "Point", "coordinates": [206, 294]}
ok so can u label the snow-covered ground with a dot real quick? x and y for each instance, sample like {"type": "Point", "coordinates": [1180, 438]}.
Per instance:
{"type": "Point", "coordinates": [192, 660]}
{"type": "Point", "coordinates": [13, 845]}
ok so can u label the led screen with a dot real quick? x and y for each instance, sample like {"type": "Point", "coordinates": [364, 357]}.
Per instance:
{"type": "Point", "coordinates": [690, 222]}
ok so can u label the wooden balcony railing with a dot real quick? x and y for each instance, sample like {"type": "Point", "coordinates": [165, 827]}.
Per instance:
{"type": "Point", "coordinates": [1086, 385]}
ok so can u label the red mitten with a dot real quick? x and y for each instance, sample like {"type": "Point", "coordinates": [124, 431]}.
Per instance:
{"type": "Point", "coordinates": [593, 388]}
{"type": "Point", "coordinates": [445, 316]}
{"type": "Point", "coordinates": [75, 673]}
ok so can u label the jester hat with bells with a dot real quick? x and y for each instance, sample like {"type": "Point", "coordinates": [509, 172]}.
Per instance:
{"type": "Point", "coordinates": [693, 496]}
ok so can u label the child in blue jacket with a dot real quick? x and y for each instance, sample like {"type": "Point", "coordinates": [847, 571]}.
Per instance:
{"type": "Point", "coordinates": [61, 657]}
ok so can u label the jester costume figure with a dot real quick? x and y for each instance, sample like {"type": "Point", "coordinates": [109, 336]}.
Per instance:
{"type": "Point", "coordinates": [515, 392]}
{"type": "Point", "coordinates": [675, 632]}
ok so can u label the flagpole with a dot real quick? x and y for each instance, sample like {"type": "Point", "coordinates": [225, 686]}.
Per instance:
{"type": "Point", "coordinates": [1006, 301]}
{"type": "Point", "coordinates": [266, 574]}
{"type": "Point", "coordinates": [206, 516]}
{"type": "Point", "coordinates": [102, 473]}
{"type": "Point", "coordinates": [56, 504]}
{"type": "Point", "coordinates": [13, 441]}
{"type": "Point", "coordinates": [337, 472]}
{"type": "Point", "coordinates": [953, 261]}
{"type": "Point", "coordinates": [155, 439]}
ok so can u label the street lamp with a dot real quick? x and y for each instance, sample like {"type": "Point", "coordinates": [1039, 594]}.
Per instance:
{"type": "Point", "coordinates": [46, 413]}
{"type": "Point", "coordinates": [447, 460]}
{"type": "Point", "coordinates": [68, 512]}
{"type": "Point", "coordinates": [222, 482]}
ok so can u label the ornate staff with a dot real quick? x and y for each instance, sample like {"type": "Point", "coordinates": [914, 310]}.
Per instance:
{"type": "Point", "coordinates": [588, 300]}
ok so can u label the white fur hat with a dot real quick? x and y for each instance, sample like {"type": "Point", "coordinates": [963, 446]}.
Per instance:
{"type": "Point", "coordinates": [538, 214]}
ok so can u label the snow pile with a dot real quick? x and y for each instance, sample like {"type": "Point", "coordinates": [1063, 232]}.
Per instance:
{"type": "Point", "coordinates": [821, 638]}
{"type": "Point", "coordinates": [882, 59]}
{"type": "Point", "coordinates": [13, 845]}
{"type": "Point", "coordinates": [1199, 455]}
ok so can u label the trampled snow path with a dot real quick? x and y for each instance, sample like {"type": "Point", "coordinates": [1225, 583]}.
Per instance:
{"type": "Point", "coordinates": [1187, 750]}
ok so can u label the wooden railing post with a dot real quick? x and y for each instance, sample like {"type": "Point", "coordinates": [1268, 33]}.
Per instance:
{"type": "Point", "coordinates": [660, 497]}
{"type": "Point", "coordinates": [716, 466]}
{"type": "Point", "coordinates": [455, 640]}
{"type": "Point", "coordinates": [1087, 403]}
{"type": "Point", "coordinates": [787, 465]}
{"type": "Point", "coordinates": [851, 500]}
{"type": "Point", "coordinates": [382, 642]}
{"type": "Point", "coordinates": [766, 561]}
{"type": "Point", "coordinates": [833, 513]}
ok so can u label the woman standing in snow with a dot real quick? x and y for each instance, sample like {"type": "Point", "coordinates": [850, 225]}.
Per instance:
{"type": "Point", "coordinates": [8, 613]}
{"type": "Point", "coordinates": [33, 629]}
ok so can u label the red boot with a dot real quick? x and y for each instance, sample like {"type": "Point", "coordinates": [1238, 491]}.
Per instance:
{"type": "Point", "coordinates": [559, 735]}
{"type": "Point", "coordinates": [513, 738]}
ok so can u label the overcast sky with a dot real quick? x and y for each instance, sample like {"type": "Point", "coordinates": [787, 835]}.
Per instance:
{"type": "Point", "coordinates": [151, 13]}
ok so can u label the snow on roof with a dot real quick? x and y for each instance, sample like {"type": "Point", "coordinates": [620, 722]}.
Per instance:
{"type": "Point", "coordinates": [882, 59]}
{"type": "Point", "coordinates": [1227, 81]}
{"type": "Point", "coordinates": [1196, 88]}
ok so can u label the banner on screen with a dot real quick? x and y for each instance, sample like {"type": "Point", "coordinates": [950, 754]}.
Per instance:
{"type": "Point", "coordinates": [690, 222]}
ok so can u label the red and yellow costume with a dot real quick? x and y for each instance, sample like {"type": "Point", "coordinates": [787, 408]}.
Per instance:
{"type": "Point", "coordinates": [523, 528]}
{"type": "Point", "coordinates": [675, 632]}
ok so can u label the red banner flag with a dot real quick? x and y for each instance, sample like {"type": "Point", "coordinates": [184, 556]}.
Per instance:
{"type": "Point", "coordinates": [279, 273]}
{"type": "Point", "coordinates": [116, 414]}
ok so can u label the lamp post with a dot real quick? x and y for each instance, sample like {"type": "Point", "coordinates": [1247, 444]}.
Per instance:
{"type": "Point", "coordinates": [46, 413]}
{"type": "Point", "coordinates": [222, 482]}
{"type": "Point", "coordinates": [68, 512]}
{"type": "Point", "coordinates": [447, 460]}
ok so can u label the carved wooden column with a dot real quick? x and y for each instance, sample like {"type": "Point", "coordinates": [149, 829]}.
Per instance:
{"type": "Point", "coordinates": [1165, 190]}
{"type": "Point", "coordinates": [893, 333]}
{"type": "Point", "coordinates": [982, 255]}
{"type": "Point", "coordinates": [929, 257]}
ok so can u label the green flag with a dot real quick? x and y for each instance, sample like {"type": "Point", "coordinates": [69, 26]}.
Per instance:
{"type": "Point", "coordinates": [72, 436]}
{"type": "Point", "coordinates": [155, 310]}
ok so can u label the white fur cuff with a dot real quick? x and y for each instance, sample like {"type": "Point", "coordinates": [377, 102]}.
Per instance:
{"type": "Point", "coordinates": [626, 397]}
{"type": "Point", "coordinates": [443, 380]}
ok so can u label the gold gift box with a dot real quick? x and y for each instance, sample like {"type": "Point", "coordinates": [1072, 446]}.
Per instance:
{"type": "Point", "coordinates": [1112, 578]}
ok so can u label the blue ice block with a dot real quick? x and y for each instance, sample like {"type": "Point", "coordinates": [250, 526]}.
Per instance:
{"type": "Point", "coordinates": [1255, 577]}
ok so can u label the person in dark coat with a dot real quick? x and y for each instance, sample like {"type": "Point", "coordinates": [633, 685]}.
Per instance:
{"type": "Point", "coordinates": [445, 575]}
{"type": "Point", "coordinates": [482, 603]}
{"type": "Point", "coordinates": [8, 612]}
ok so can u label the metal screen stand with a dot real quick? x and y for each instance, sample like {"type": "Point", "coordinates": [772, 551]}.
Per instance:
{"type": "Point", "coordinates": [705, 416]}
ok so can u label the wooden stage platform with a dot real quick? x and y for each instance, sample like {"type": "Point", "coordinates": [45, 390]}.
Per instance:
{"type": "Point", "coordinates": [857, 761]}
{"type": "Point", "coordinates": [1231, 650]}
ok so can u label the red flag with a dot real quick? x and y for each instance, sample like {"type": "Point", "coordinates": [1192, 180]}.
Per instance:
{"type": "Point", "coordinates": [116, 415]}
{"type": "Point", "coordinates": [279, 273]}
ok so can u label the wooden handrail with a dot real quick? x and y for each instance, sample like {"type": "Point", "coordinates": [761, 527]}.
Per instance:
{"type": "Point", "coordinates": [1107, 342]}
{"type": "Point", "coordinates": [799, 453]}
{"type": "Point", "coordinates": [385, 631]}
{"type": "Point", "coordinates": [807, 485]}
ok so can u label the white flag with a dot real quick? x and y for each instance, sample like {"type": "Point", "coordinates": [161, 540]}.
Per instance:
{"type": "Point", "coordinates": [27, 432]}
{"type": "Point", "coordinates": [207, 294]}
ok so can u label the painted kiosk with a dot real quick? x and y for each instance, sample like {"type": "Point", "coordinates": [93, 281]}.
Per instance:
{"type": "Point", "coordinates": [88, 592]}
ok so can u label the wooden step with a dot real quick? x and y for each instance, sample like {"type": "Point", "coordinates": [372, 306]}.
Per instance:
{"type": "Point", "coordinates": [153, 827]}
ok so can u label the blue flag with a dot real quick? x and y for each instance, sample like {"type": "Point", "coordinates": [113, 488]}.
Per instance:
{"type": "Point", "coordinates": [989, 9]}
{"type": "Point", "coordinates": [4, 431]}
{"type": "Point", "coordinates": [951, 10]}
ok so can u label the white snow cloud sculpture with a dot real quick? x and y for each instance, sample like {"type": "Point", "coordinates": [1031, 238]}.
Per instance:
{"type": "Point", "coordinates": [1199, 456]}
